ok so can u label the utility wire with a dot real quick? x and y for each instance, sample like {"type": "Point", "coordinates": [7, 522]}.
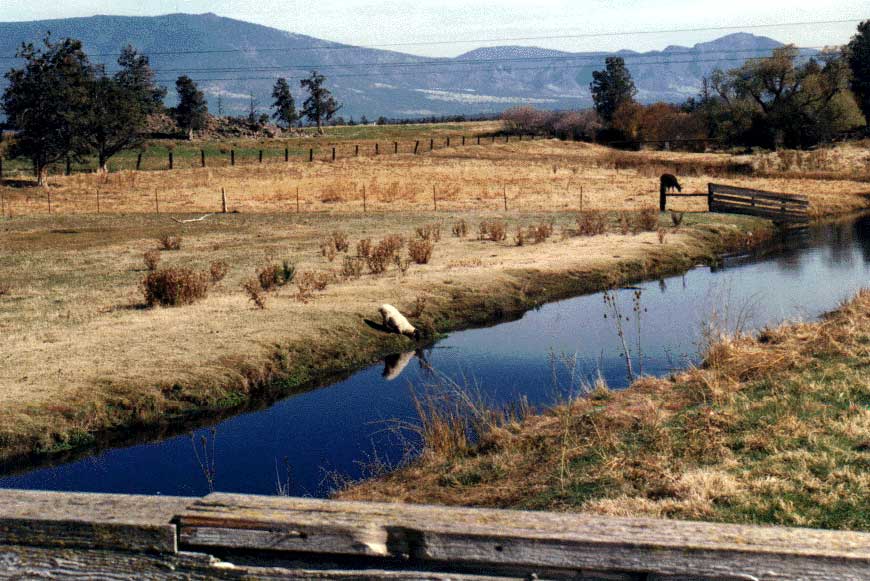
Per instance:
{"type": "Point", "coordinates": [339, 46]}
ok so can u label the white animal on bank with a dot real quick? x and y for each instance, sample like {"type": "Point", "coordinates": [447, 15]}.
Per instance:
{"type": "Point", "coordinates": [396, 322]}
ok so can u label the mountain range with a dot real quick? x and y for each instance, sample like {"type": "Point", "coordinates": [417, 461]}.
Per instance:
{"type": "Point", "coordinates": [234, 61]}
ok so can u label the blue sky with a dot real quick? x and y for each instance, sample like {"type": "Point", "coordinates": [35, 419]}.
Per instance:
{"type": "Point", "coordinates": [452, 22]}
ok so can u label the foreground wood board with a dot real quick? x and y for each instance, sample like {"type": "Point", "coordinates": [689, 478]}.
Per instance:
{"type": "Point", "coordinates": [224, 536]}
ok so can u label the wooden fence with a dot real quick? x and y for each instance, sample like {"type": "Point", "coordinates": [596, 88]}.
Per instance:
{"type": "Point", "coordinates": [223, 536]}
{"type": "Point", "coordinates": [329, 152]}
{"type": "Point", "coordinates": [780, 208]}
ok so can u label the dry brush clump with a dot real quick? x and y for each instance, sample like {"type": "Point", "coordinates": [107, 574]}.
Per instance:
{"type": "Point", "coordinates": [460, 229]}
{"type": "Point", "coordinates": [169, 242]}
{"type": "Point", "coordinates": [218, 270]}
{"type": "Point", "coordinates": [591, 223]}
{"type": "Point", "coordinates": [151, 258]}
{"type": "Point", "coordinates": [173, 287]}
{"type": "Point", "coordinates": [494, 230]}
{"type": "Point", "coordinates": [268, 278]}
{"type": "Point", "coordinates": [352, 267]}
{"type": "Point", "coordinates": [420, 251]}
{"type": "Point", "coordinates": [385, 252]}
{"type": "Point", "coordinates": [308, 282]}
{"type": "Point", "coordinates": [429, 232]}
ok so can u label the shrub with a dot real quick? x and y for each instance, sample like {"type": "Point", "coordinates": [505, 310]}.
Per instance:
{"type": "Point", "coordinates": [460, 229]}
{"type": "Point", "coordinates": [174, 286]}
{"type": "Point", "coordinates": [169, 242]}
{"type": "Point", "coordinates": [151, 259]}
{"type": "Point", "coordinates": [364, 248]}
{"type": "Point", "coordinates": [591, 223]}
{"type": "Point", "coordinates": [328, 249]}
{"type": "Point", "coordinates": [309, 282]}
{"type": "Point", "coordinates": [352, 267]}
{"type": "Point", "coordinates": [218, 270]}
{"type": "Point", "coordinates": [662, 235]}
{"type": "Point", "coordinates": [646, 220]}
{"type": "Point", "coordinates": [393, 243]}
{"type": "Point", "coordinates": [420, 251]}
{"type": "Point", "coordinates": [624, 223]}
{"type": "Point", "coordinates": [255, 292]}
{"type": "Point", "coordinates": [541, 232]}
{"type": "Point", "coordinates": [520, 238]}
{"type": "Point", "coordinates": [269, 277]}
{"type": "Point", "coordinates": [495, 230]}
{"type": "Point", "coordinates": [340, 241]}
{"type": "Point", "coordinates": [288, 272]}
{"type": "Point", "coordinates": [431, 232]}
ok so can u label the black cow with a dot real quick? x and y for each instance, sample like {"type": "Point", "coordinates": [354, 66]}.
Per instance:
{"type": "Point", "coordinates": [669, 182]}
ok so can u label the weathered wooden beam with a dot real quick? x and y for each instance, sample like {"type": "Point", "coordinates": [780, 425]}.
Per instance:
{"type": "Point", "coordinates": [497, 539]}
{"type": "Point", "coordinates": [749, 191]}
{"type": "Point", "coordinates": [107, 521]}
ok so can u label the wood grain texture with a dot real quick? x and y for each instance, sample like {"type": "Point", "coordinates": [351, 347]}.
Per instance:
{"type": "Point", "coordinates": [89, 520]}
{"type": "Point", "coordinates": [523, 539]}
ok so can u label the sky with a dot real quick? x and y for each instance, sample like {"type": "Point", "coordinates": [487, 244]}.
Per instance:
{"type": "Point", "coordinates": [456, 26]}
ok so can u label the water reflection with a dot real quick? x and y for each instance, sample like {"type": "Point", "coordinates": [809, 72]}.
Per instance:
{"type": "Point", "coordinates": [289, 447]}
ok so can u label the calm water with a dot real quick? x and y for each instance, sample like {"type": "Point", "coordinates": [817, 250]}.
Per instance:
{"type": "Point", "coordinates": [334, 429]}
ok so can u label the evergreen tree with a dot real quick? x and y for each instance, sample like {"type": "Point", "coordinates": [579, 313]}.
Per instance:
{"type": "Point", "coordinates": [47, 101]}
{"type": "Point", "coordinates": [120, 107]}
{"type": "Point", "coordinates": [858, 54]}
{"type": "Point", "coordinates": [192, 109]}
{"type": "Point", "coordinates": [284, 106]}
{"type": "Point", "coordinates": [320, 106]}
{"type": "Point", "coordinates": [612, 88]}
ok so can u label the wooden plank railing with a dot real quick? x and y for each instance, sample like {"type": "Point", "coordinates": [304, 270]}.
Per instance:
{"type": "Point", "coordinates": [780, 208]}
{"type": "Point", "coordinates": [225, 536]}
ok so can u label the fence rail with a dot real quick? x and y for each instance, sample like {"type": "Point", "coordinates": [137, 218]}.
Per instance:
{"type": "Point", "coordinates": [780, 208]}
{"type": "Point", "coordinates": [228, 157]}
{"type": "Point", "coordinates": [225, 536]}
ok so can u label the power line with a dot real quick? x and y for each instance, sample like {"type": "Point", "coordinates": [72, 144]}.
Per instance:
{"type": "Point", "coordinates": [629, 59]}
{"type": "Point", "coordinates": [378, 74]}
{"type": "Point", "coordinates": [337, 46]}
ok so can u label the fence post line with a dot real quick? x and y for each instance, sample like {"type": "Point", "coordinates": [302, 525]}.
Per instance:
{"type": "Point", "coordinates": [448, 141]}
{"type": "Point", "coordinates": [504, 192]}
{"type": "Point", "coordinates": [431, 144]}
{"type": "Point", "coordinates": [261, 156]}
{"type": "Point", "coordinates": [202, 157]}
{"type": "Point", "coordinates": [139, 161]}
{"type": "Point", "coordinates": [311, 154]}
{"type": "Point", "coordinates": [171, 161]}
{"type": "Point", "coordinates": [463, 140]}
{"type": "Point", "coordinates": [416, 146]}
{"type": "Point", "coordinates": [377, 148]}
{"type": "Point", "coordinates": [286, 154]}
{"type": "Point", "coordinates": [396, 148]}
{"type": "Point", "coordinates": [48, 194]}
{"type": "Point", "coordinates": [223, 201]}
{"type": "Point", "coordinates": [356, 150]}
{"type": "Point", "coordinates": [333, 154]}
{"type": "Point", "coordinates": [434, 198]}
{"type": "Point", "coordinates": [232, 157]}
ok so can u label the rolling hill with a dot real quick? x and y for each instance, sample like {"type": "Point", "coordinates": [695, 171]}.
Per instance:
{"type": "Point", "coordinates": [233, 60]}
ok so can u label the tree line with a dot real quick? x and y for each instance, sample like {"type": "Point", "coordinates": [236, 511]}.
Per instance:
{"type": "Point", "coordinates": [63, 107]}
{"type": "Point", "coordinates": [783, 100]}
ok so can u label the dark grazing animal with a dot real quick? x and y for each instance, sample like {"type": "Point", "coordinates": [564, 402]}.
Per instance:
{"type": "Point", "coordinates": [669, 182]}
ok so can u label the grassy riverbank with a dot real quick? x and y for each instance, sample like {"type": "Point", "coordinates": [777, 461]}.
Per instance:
{"type": "Point", "coordinates": [81, 353]}
{"type": "Point", "coordinates": [772, 430]}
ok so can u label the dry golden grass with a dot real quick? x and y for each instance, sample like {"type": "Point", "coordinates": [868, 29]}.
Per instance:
{"type": "Point", "coordinates": [773, 429]}
{"type": "Point", "coordinates": [534, 176]}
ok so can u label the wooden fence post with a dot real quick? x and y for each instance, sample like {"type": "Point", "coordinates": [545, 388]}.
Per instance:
{"type": "Point", "coordinates": [356, 150]}
{"type": "Point", "coordinates": [463, 140]}
{"type": "Point", "coordinates": [504, 192]}
{"type": "Point", "coordinates": [709, 198]}
{"type": "Point", "coordinates": [171, 162]}
{"type": "Point", "coordinates": [396, 147]}
{"type": "Point", "coordinates": [377, 148]}
{"type": "Point", "coordinates": [98, 200]}
{"type": "Point", "coordinates": [333, 154]}
{"type": "Point", "coordinates": [1, 169]}
{"type": "Point", "coordinates": [68, 166]}
{"type": "Point", "coordinates": [48, 194]}
{"type": "Point", "coordinates": [297, 199]}
{"type": "Point", "coordinates": [311, 154]}
{"type": "Point", "coordinates": [448, 141]}
{"type": "Point", "coordinates": [139, 161]}
{"type": "Point", "coordinates": [2, 205]}
{"type": "Point", "coordinates": [261, 156]}
{"type": "Point", "coordinates": [434, 198]}
{"type": "Point", "coordinates": [202, 157]}
{"type": "Point", "coordinates": [663, 199]}
{"type": "Point", "coordinates": [478, 139]}
{"type": "Point", "coordinates": [286, 154]}
{"type": "Point", "coordinates": [232, 157]}
{"type": "Point", "coordinates": [431, 144]}
{"type": "Point", "coordinates": [416, 146]}
{"type": "Point", "coordinates": [364, 199]}
{"type": "Point", "coordinates": [223, 201]}
{"type": "Point", "coordinates": [156, 202]}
